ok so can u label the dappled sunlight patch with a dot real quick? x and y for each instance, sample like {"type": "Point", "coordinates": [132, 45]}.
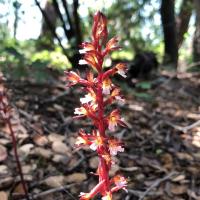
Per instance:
{"type": "Point", "coordinates": [55, 59]}
{"type": "Point", "coordinates": [196, 138]}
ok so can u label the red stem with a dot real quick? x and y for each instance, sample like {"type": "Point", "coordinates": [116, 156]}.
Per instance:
{"type": "Point", "coordinates": [17, 157]}
{"type": "Point", "coordinates": [104, 176]}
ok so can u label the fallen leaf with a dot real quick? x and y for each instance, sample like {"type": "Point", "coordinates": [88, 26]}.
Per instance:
{"type": "Point", "coordinates": [53, 137]}
{"type": "Point", "coordinates": [6, 182]}
{"type": "Point", "coordinates": [3, 153]}
{"type": "Point", "coordinates": [193, 194]}
{"type": "Point", "coordinates": [40, 140]}
{"type": "Point", "coordinates": [3, 169]}
{"type": "Point", "coordinates": [25, 150]}
{"type": "Point", "coordinates": [39, 151]}
{"type": "Point", "coordinates": [178, 189]}
{"type": "Point", "coordinates": [184, 156]}
{"type": "Point", "coordinates": [28, 169]}
{"type": "Point", "coordinates": [19, 189]}
{"type": "Point", "coordinates": [5, 141]}
{"type": "Point", "coordinates": [60, 147]}
{"type": "Point", "coordinates": [167, 161]}
{"type": "Point", "coordinates": [60, 159]}
{"type": "Point", "coordinates": [54, 181]}
{"type": "Point", "coordinates": [75, 178]}
{"type": "Point", "coordinates": [179, 178]}
{"type": "Point", "coordinates": [20, 103]}
{"type": "Point", "coordinates": [3, 195]}
{"type": "Point", "coordinates": [94, 162]}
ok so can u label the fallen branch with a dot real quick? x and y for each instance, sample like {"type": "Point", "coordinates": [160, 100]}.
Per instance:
{"type": "Point", "coordinates": [156, 184]}
{"type": "Point", "coordinates": [59, 189]}
{"type": "Point", "coordinates": [184, 129]}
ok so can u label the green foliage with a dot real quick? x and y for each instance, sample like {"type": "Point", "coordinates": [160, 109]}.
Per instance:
{"type": "Point", "coordinates": [131, 18]}
{"type": "Point", "coordinates": [12, 60]}
{"type": "Point", "coordinates": [22, 60]}
{"type": "Point", "coordinates": [54, 59]}
{"type": "Point", "coordinates": [144, 85]}
{"type": "Point", "coordinates": [194, 69]}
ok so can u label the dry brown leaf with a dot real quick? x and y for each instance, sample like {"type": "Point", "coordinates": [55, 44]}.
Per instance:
{"type": "Point", "coordinates": [60, 159]}
{"type": "Point", "coordinates": [5, 141]}
{"type": "Point", "coordinates": [167, 161]}
{"type": "Point", "coordinates": [193, 195]}
{"type": "Point", "coordinates": [40, 140]}
{"type": "Point", "coordinates": [3, 153]}
{"type": "Point", "coordinates": [76, 178]}
{"type": "Point", "coordinates": [3, 169]}
{"type": "Point", "coordinates": [114, 169]}
{"type": "Point", "coordinates": [6, 182]}
{"type": "Point", "coordinates": [93, 162]}
{"type": "Point", "coordinates": [179, 178]}
{"type": "Point", "coordinates": [178, 189]}
{"type": "Point", "coordinates": [60, 147]}
{"type": "Point", "coordinates": [184, 156]}
{"type": "Point", "coordinates": [39, 151]}
{"type": "Point", "coordinates": [20, 103]}
{"type": "Point", "coordinates": [54, 181]}
{"type": "Point", "coordinates": [19, 189]}
{"type": "Point", "coordinates": [25, 149]}
{"type": "Point", "coordinates": [53, 137]}
{"type": "Point", "coordinates": [3, 195]}
{"type": "Point", "coordinates": [58, 107]}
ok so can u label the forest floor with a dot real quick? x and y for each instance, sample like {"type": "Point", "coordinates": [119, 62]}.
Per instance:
{"type": "Point", "coordinates": [162, 141]}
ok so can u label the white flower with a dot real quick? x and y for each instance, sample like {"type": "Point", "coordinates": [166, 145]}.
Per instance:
{"type": "Point", "coordinates": [86, 99]}
{"type": "Point", "coordinates": [120, 99]}
{"type": "Point", "coordinates": [82, 62]}
{"type": "Point", "coordinates": [106, 90]}
{"type": "Point", "coordinates": [80, 111]}
{"type": "Point", "coordinates": [112, 125]}
{"type": "Point", "coordinates": [115, 149]}
{"type": "Point", "coordinates": [82, 51]}
{"type": "Point", "coordinates": [122, 73]}
{"type": "Point", "coordinates": [94, 146]}
{"type": "Point", "coordinates": [79, 141]}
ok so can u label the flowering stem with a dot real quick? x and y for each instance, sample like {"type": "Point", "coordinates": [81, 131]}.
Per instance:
{"type": "Point", "coordinates": [100, 106]}
{"type": "Point", "coordinates": [17, 157]}
{"type": "Point", "coordinates": [101, 92]}
{"type": "Point", "coordinates": [102, 163]}
{"type": "Point", "coordinates": [5, 112]}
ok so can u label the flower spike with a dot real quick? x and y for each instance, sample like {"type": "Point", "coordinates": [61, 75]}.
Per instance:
{"type": "Point", "coordinates": [100, 93]}
{"type": "Point", "coordinates": [99, 29]}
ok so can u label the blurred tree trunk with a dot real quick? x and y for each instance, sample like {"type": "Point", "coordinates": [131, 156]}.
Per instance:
{"type": "Point", "coordinates": [196, 39]}
{"type": "Point", "coordinates": [183, 20]}
{"type": "Point", "coordinates": [169, 30]}
{"type": "Point", "coordinates": [46, 34]}
{"type": "Point", "coordinates": [70, 24]}
{"type": "Point", "coordinates": [16, 6]}
{"type": "Point", "coordinates": [77, 22]}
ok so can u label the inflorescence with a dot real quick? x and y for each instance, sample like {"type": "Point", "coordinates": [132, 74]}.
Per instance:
{"type": "Point", "coordinates": [101, 93]}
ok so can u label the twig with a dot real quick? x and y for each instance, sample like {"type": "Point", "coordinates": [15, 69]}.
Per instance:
{"type": "Point", "coordinates": [135, 192]}
{"type": "Point", "coordinates": [59, 189]}
{"type": "Point", "coordinates": [5, 111]}
{"type": "Point", "coordinates": [184, 129]}
{"type": "Point", "coordinates": [156, 184]}
{"type": "Point", "coordinates": [55, 98]}
{"type": "Point", "coordinates": [194, 64]}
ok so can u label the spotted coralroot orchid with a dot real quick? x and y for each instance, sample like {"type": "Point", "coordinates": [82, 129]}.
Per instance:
{"type": "Point", "coordinates": [101, 92]}
{"type": "Point", "coordinates": [6, 115]}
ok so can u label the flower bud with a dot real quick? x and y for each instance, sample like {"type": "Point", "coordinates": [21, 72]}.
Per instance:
{"type": "Point", "coordinates": [99, 29]}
